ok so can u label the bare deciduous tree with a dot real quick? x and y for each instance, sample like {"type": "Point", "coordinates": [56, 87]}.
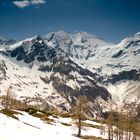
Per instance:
{"type": "Point", "coordinates": [80, 107]}
{"type": "Point", "coordinates": [7, 98]}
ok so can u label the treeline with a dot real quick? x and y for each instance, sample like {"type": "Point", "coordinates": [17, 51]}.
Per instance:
{"type": "Point", "coordinates": [9, 101]}
{"type": "Point", "coordinates": [123, 124]}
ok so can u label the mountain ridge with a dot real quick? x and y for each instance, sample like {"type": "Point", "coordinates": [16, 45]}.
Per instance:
{"type": "Point", "coordinates": [73, 65]}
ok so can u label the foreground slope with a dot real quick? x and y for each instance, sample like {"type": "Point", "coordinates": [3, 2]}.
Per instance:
{"type": "Point", "coordinates": [29, 127]}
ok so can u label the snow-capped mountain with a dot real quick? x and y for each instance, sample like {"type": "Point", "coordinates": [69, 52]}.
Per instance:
{"type": "Point", "coordinates": [80, 46]}
{"type": "Point", "coordinates": [117, 64]}
{"type": "Point", "coordinates": [91, 50]}
{"type": "Point", "coordinates": [48, 75]}
{"type": "Point", "coordinates": [6, 42]}
{"type": "Point", "coordinates": [55, 69]}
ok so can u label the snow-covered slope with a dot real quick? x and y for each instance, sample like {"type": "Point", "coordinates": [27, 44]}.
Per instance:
{"type": "Point", "coordinates": [27, 84]}
{"type": "Point", "coordinates": [29, 127]}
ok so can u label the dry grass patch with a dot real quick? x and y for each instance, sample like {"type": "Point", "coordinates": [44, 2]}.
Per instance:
{"type": "Point", "coordinates": [47, 120]}
{"type": "Point", "coordinates": [90, 125]}
{"type": "Point", "coordinates": [44, 116]}
{"type": "Point", "coordinates": [61, 114]}
{"type": "Point", "coordinates": [66, 124]}
{"type": "Point", "coordinates": [86, 137]}
{"type": "Point", "coordinates": [10, 113]}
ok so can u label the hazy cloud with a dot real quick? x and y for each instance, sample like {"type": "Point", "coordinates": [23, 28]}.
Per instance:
{"type": "Point", "coordinates": [25, 3]}
{"type": "Point", "coordinates": [22, 4]}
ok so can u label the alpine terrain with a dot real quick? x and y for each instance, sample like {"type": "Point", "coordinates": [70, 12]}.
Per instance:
{"type": "Point", "coordinates": [51, 71]}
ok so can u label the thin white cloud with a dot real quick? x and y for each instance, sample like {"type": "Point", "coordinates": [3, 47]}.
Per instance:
{"type": "Point", "coordinates": [21, 4]}
{"type": "Point", "coordinates": [25, 3]}
{"type": "Point", "coordinates": [37, 1]}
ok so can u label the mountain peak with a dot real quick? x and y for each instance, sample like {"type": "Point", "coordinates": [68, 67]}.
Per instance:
{"type": "Point", "coordinates": [59, 35]}
{"type": "Point", "coordinates": [61, 32]}
{"type": "Point", "coordinates": [85, 35]}
{"type": "Point", "coordinates": [135, 38]}
{"type": "Point", "coordinates": [35, 37]}
{"type": "Point", "coordinates": [137, 34]}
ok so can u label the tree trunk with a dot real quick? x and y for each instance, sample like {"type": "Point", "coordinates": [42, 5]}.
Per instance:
{"type": "Point", "coordinates": [79, 128]}
{"type": "Point", "coordinates": [129, 135]}
{"type": "Point", "coordinates": [109, 133]}
{"type": "Point", "coordinates": [117, 133]}
{"type": "Point", "coordinates": [112, 132]}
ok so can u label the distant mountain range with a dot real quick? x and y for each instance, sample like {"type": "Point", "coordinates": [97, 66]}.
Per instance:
{"type": "Point", "coordinates": [53, 70]}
